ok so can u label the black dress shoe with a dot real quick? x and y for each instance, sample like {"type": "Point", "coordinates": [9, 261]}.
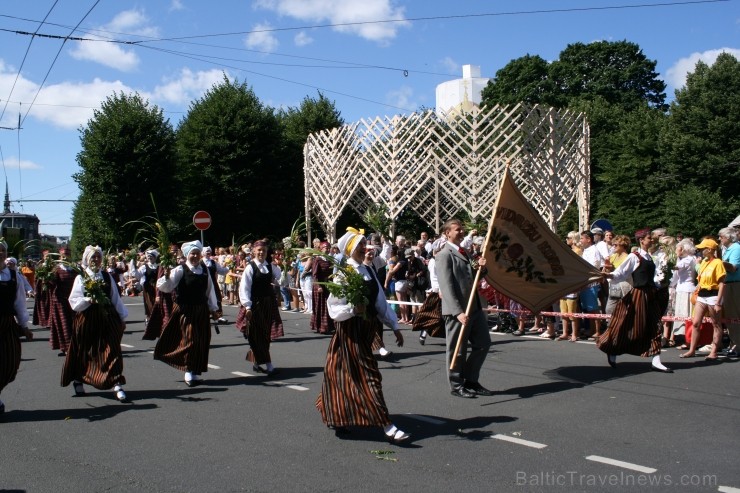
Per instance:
{"type": "Point", "coordinates": [477, 389]}
{"type": "Point", "coordinates": [661, 370]}
{"type": "Point", "coordinates": [464, 393]}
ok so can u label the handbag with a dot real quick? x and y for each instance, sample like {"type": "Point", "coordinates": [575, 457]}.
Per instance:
{"type": "Point", "coordinates": [694, 296]}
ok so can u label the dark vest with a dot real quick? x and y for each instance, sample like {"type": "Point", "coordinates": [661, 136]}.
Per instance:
{"type": "Point", "coordinates": [261, 283]}
{"type": "Point", "coordinates": [373, 290]}
{"type": "Point", "coordinates": [192, 288]}
{"type": "Point", "coordinates": [7, 295]}
{"type": "Point", "coordinates": [643, 276]}
{"type": "Point", "coordinates": [151, 275]}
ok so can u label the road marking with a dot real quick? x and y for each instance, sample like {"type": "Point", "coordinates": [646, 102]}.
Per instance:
{"type": "Point", "coordinates": [213, 367]}
{"type": "Point", "coordinates": [519, 441]}
{"type": "Point", "coordinates": [126, 345]}
{"type": "Point", "coordinates": [619, 463]}
{"type": "Point", "coordinates": [728, 489]}
{"type": "Point", "coordinates": [426, 419]}
{"type": "Point", "coordinates": [241, 374]}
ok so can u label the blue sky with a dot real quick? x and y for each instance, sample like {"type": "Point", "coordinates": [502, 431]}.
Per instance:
{"type": "Point", "coordinates": [287, 50]}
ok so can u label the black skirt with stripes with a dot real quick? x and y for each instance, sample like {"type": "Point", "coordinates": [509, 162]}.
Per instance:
{"type": "Point", "coordinates": [94, 355]}
{"type": "Point", "coordinates": [351, 391]}
{"type": "Point", "coordinates": [186, 339]}
{"type": "Point", "coordinates": [10, 350]}
{"type": "Point", "coordinates": [635, 326]}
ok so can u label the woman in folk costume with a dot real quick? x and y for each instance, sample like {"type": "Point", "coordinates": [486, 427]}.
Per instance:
{"type": "Point", "coordinates": [428, 319]}
{"type": "Point", "coordinates": [215, 269]}
{"type": "Point", "coordinates": [61, 314]}
{"type": "Point", "coordinates": [42, 300]}
{"type": "Point", "coordinates": [259, 317]}
{"type": "Point", "coordinates": [351, 392]}
{"type": "Point", "coordinates": [321, 322]}
{"type": "Point", "coordinates": [94, 355]}
{"type": "Point", "coordinates": [186, 338]}
{"type": "Point", "coordinates": [163, 306]}
{"type": "Point", "coordinates": [13, 322]}
{"type": "Point", "coordinates": [635, 326]}
{"type": "Point", "coordinates": [147, 276]}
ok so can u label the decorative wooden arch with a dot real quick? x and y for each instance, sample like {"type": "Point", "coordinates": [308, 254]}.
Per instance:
{"type": "Point", "coordinates": [440, 166]}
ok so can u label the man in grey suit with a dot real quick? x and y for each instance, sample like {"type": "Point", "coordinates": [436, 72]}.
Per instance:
{"type": "Point", "coordinates": [456, 275]}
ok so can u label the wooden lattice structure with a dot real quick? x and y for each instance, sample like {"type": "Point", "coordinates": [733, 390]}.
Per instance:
{"type": "Point", "coordinates": [440, 166]}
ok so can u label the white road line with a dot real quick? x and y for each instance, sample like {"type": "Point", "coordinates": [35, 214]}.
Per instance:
{"type": "Point", "coordinates": [126, 345]}
{"type": "Point", "coordinates": [619, 463]}
{"type": "Point", "coordinates": [241, 374]}
{"type": "Point", "coordinates": [426, 419]}
{"type": "Point", "coordinates": [728, 489]}
{"type": "Point", "coordinates": [519, 441]}
{"type": "Point", "coordinates": [213, 367]}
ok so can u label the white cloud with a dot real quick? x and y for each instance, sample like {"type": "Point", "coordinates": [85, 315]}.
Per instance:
{"type": "Point", "coordinates": [302, 39]}
{"type": "Point", "coordinates": [112, 55]}
{"type": "Point", "coordinates": [187, 86]}
{"type": "Point", "coordinates": [676, 75]}
{"type": "Point", "coordinates": [11, 163]}
{"type": "Point", "coordinates": [262, 40]}
{"type": "Point", "coordinates": [343, 12]}
{"type": "Point", "coordinates": [176, 5]}
{"type": "Point", "coordinates": [450, 65]}
{"type": "Point", "coordinates": [402, 98]}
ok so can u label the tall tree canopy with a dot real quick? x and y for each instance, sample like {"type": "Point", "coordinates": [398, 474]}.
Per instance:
{"type": "Point", "coordinates": [128, 152]}
{"type": "Point", "coordinates": [701, 148]}
{"type": "Point", "coordinates": [231, 158]}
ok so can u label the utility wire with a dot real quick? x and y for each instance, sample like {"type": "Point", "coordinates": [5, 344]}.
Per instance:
{"type": "Point", "coordinates": [54, 61]}
{"type": "Point", "coordinates": [25, 55]}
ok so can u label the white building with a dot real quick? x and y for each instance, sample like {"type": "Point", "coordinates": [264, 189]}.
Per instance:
{"type": "Point", "coordinates": [461, 94]}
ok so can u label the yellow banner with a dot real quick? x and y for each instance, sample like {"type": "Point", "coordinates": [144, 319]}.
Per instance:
{"type": "Point", "coordinates": [525, 260]}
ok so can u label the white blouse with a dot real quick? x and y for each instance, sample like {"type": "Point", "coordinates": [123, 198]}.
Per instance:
{"type": "Point", "coordinates": [168, 285]}
{"type": "Point", "coordinates": [79, 302]}
{"type": "Point", "coordinates": [340, 310]}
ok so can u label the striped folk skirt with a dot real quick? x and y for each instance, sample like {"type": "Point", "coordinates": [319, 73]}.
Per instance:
{"type": "Point", "coordinates": [10, 350]}
{"type": "Point", "coordinates": [321, 322]}
{"type": "Point", "coordinates": [161, 312]}
{"type": "Point", "coordinates": [429, 316]}
{"type": "Point", "coordinates": [186, 339]}
{"type": "Point", "coordinates": [41, 305]}
{"type": "Point", "coordinates": [266, 326]}
{"type": "Point", "coordinates": [351, 392]}
{"type": "Point", "coordinates": [635, 325]}
{"type": "Point", "coordinates": [94, 355]}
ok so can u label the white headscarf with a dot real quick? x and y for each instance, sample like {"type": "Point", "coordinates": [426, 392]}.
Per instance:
{"type": "Point", "coordinates": [191, 245]}
{"type": "Point", "coordinates": [88, 253]}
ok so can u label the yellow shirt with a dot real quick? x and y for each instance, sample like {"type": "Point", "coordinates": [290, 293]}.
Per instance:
{"type": "Point", "coordinates": [711, 274]}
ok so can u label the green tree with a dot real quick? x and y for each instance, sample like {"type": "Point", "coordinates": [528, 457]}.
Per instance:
{"type": "Point", "coordinates": [231, 158]}
{"type": "Point", "coordinates": [312, 115]}
{"type": "Point", "coordinates": [701, 146]}
{"type": "Point", "coordinates": [524, 79]}
{"type": "Point", "coordinates": [127, 153]}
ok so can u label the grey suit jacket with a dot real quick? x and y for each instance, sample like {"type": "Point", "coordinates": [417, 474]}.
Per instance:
{"type": "Point", "coordinates": [455, 276]}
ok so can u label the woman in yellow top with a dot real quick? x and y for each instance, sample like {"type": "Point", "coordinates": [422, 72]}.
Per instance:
{"type": "Point", "coordinates": [711, 281]}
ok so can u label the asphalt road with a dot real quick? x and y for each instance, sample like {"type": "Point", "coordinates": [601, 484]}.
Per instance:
{"type": "Point", "coordinates": [561, 420]}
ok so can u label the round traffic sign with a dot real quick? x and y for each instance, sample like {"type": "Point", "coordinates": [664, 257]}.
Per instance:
{"type": "Point", "coordinates": [202, 220]}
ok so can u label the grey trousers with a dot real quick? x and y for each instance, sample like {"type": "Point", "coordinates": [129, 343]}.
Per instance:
{"type": "Point", "coordinates": [467, 367]}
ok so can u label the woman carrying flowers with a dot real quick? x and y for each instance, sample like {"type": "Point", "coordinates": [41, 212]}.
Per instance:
{"type": "Point", "coordinates": [351, 392]}
{"type": "Point", "coordinates": [94, 355]}
{"type": "Point", "coordinates": [186, 338]}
